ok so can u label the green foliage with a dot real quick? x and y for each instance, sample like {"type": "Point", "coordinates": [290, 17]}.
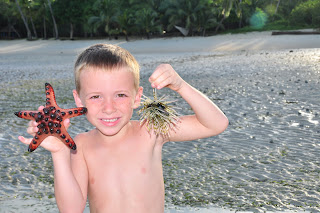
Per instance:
{"type": "Point", "coordinates": [193, 15]}
{"type": "Point", "coordinates": [151, 17]}
{"type": "Point", "coordinates": [147, 21]}
{"type": "Point", "coordinates": [107, 11]}
{"type": "Point", "coordinates": [306, 13]}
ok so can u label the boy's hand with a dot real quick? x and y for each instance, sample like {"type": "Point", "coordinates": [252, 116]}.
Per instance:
{"type": "Point", "coordinates": [51, 143]}
{"type": "Point", "coordinates": [165, 76]}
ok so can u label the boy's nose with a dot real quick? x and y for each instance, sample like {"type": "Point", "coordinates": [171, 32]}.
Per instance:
{"type": "Point", "coordinates": [109, 107]}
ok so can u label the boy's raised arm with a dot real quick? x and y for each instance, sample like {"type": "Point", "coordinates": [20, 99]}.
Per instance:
{"type": "Point", "coordinates": [208, 119]}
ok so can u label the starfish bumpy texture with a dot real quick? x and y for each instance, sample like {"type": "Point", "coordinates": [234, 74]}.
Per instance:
{"type": "Point", "coordinates": [50, 120]}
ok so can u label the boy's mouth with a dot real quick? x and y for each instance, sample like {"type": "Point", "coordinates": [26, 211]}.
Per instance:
{"type": "Point", "coordinates": [110, 120]}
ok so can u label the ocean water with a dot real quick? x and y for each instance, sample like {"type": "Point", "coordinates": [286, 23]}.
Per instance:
{"type": "Point", "coordinates": [267, 160]}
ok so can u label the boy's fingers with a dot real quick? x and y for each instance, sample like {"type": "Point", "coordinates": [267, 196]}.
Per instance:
{"type": "Point", "coordinates": [32, 130]}
{"type": "Point", "coordinates": [157, 72]}
{"type": "Point", "coordinates": [156, 82]}
{"type": "Point", "coordinates": [32, 124]}
{"type": "Point", "coordinates": [163, 81]}
{"type": "Point", "coordinates": [66, 123]}
{"type": "Point", "coordinates": [32, 127]}
{"type": "Point", "coordinates": [25, 140]}
{"type": "Point", "coordinates": [40, 108]}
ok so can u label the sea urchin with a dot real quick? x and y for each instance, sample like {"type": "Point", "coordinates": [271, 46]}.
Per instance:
{"type": "Point", "coordinates": [158, 115]}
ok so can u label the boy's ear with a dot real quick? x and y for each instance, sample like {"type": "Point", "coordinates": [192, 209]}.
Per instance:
{"type": "Point", "coordinates": [138, 98]}
{"type": "Point", "coordinates": [77, 98]}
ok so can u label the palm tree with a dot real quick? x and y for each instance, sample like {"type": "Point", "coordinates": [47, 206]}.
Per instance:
{"type": "Point", "coordinates": [107, 16]}
{"type": "Point", "coordinates": [125, 21]}
{"type": "Point", "coordinates": [226, 8]}
{"type": "Point", "coordinates": [189, 14]}
{"type": "Point", "coordinates": [24, 19]}
{"type": "Point", "coordinates": [206, 19]}
{"type": "Point", "coordinates": [147, 21]}
{"type": "Point", "coordinates": [53, 20]}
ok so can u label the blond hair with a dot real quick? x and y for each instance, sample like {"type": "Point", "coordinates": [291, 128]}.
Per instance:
{"type": "Point", "coordinates": [108, 57]}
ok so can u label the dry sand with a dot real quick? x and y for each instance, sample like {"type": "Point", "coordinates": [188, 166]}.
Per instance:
{"type": "Point", "coordinates": [229, 42]}
{"type": "Point", "coordinates": [267, 85]}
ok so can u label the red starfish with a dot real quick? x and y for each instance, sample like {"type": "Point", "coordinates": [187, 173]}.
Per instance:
{"type": "Point", "coordinates": [50, 120]}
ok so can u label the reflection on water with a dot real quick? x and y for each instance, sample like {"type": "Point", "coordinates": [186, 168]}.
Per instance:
{"type": "Point", "coordinates": [267, 159]}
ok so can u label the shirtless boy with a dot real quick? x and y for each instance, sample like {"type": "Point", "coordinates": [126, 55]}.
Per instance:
{"type": "Point", "coordinates": [118, 164]}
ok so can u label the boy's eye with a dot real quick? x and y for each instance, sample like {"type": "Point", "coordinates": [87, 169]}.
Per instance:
{"type": "Point", "coordinates": [95, 97]}
{"type": "Point", "coordinates": [122, 95]}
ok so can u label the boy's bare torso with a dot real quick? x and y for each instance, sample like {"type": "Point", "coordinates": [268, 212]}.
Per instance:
{"type": "Point", "coordinates": [126, 175]}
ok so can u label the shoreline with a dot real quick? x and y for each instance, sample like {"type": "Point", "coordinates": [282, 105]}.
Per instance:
{"type": "Point", "coordinates": [252, 41]}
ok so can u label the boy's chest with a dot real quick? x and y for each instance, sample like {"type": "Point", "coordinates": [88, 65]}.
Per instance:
{"type": "Point", "coordinates": [138, 158]}
{"type": "Point", "coordinates": [125, 171]}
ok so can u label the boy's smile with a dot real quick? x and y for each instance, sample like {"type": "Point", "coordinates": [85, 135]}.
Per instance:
{"type": "Point", "coordinates": [110, 97]}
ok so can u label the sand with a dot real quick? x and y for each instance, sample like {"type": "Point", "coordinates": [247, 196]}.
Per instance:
{"type": "Point", "coordinates": [268, 86]}
{"type": "Point", "coordinates": [229, 42]}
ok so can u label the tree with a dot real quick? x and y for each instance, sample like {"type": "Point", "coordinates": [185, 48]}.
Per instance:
{"type": "Point", "coordinates": [192, 15]}
{"type": "Point", "coordinates": [69, 12]}
{"type": "Point", "coordinates": [147, 21]}
{"type": "Point", "coordinates": [107, 15]}
{"type": "Point", "coordinates": [53, 20]}
{"type": "Point", "coordinates": [29, 36]}
{"type": "Point", "coordinates": [9, 15]}
{"type": "Point", "coordinates": [125, 21]}
{"type": "Point", "coordinates": [206, 17]}
{"type": "Point", "coordinates": [306, 14]}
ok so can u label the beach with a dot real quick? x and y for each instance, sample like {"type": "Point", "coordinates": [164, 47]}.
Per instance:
{"type": "Point", "coordinates": [268, 86]}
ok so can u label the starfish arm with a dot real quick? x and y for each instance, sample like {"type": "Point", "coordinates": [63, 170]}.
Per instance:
{"type": "Point", "coordinates": [36, 141]}
{"type": "Point", "coordinates": [50, 96]}
{"type": "Point", "coordinates": [66, 139]}
{"type": "Point", "coordinates": [29, 115]}
{"type": "Point", "coordinates": [74, 112]}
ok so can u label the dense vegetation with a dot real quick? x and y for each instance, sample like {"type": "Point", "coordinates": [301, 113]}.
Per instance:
{"type": "Point", "coordinates": [113, 18]}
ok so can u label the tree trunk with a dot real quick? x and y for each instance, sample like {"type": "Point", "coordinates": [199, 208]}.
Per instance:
{"type": "Point", "coordinates": [71, 31]}
{"type": "Point", "coordinates": [240, 21]}
{"type": "Point", "coordinates": [126, 34]}
{"type": "Point", "coordinates": [240, 18]}
{"type": "Point", "coordinates": [29, 37]}
{"type": "Point", "coordinates": [14, 30]}
{"type": "Point", "coordinates": [275, 12]}
{"type": "Point", "coordinates": [220, 23]}
{"type": "Point", "coordinates": [203, 32]}
{"type": "Point", "coordinates": [54, 21]}
{"type": "Point", "coordinates": [44, 28]}
{"type": "Point", "coordinates": [33, 28]}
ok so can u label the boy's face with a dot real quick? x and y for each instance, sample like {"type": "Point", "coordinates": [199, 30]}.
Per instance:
{"type": "Point", "coordinates": [110, 97]}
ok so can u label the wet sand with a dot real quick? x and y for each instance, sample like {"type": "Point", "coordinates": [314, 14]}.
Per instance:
{"type": "Point", "coordinates": [268, 86]}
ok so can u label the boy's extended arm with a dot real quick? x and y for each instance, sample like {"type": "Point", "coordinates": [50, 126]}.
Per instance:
{"type": "Point", "coordinates": [208, 120]}
{"type": "Point", "coordinates": [70, 180]}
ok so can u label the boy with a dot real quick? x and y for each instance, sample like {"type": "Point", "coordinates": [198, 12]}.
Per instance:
{"type": "Point", "coordinates": [118, 164]}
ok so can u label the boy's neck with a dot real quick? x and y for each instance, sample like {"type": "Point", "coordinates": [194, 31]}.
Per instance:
{"type": "Point", "coordinates": [119, 137]}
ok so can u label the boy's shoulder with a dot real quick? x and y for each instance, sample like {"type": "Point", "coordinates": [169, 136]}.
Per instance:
{"type": "Point", "coordinates": [83, 137]}
{"type": "Point", "coordinates": [142, 130]}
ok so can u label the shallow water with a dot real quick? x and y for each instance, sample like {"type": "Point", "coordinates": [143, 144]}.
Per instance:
{"type": "Point", "coordinates": [267, 160]}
